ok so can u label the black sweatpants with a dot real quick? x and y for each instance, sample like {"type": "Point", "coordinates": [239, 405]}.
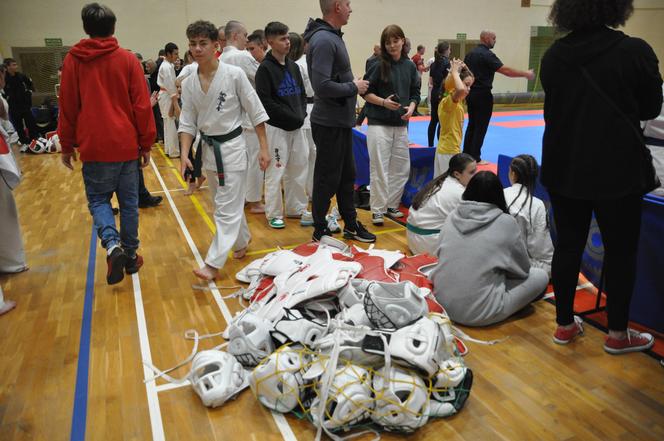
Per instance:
{"type": "Point", "coordinates": [334, 173]}
{"type": "Point", "coordinates": [480, 107]}
{"type": "Point", "coordinates": [20, 119]}
{"type": "Point", "coordinates": [434, 127]}
{"type": "Point", "coordinates": [619, 221]}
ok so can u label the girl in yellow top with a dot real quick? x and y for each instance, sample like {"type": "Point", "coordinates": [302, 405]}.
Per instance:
{"type": "Point", "coordinates": [451, 113]}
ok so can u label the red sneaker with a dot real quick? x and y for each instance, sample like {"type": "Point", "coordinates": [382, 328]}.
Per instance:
{"type": "Point", "coordinates": [133, 264]}
{"type": "Point", "coordinates": [563, 336]}
{"type": "Point", "coordinates": [634, 342]}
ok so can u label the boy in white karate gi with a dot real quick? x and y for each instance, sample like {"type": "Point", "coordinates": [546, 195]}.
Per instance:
{"type": "Point", "coordinates": [168, 94]}
{"type": "Point", "coordinates": [213, 103]}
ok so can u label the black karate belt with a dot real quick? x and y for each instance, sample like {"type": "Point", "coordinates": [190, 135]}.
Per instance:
{"type": "Point", "coordinates": [310, 100]}
{"type": "Point", "coordinates": [216, 141]}
{"type": "Point", "coordinates": [654, 141]}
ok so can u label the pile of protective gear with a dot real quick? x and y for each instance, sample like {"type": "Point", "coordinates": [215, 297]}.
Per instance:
{"type": "Point", "coordinates": [342, 336]}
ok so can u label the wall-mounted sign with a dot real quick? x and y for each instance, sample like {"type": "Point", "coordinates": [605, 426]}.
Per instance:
{"type": "Point", "coordinates": [53, 42]}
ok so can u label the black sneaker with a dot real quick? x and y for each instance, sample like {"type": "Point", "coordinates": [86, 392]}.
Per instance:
{"type": "Point", "coordinates": [320, 233]}
{"type": "Point", "coordinates": [116, 265]}
{"type": "Point", "coordinates": [359, 233]}
{"type": "Point", "coordinates": [133, 264]}
{"type": "Point", "coordinates": [115, 211]}
{"type": "Point", "coordinates": [394, 213]}
{"type": "Point", "coordinates": [151, 201]}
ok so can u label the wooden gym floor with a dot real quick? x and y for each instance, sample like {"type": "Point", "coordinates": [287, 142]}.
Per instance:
{"type": "Point", "coordinates": [526, 388]}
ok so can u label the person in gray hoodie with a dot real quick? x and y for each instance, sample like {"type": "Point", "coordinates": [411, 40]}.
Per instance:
{"type": "Point", "coordinates": [483, 274]}
{"type": "Point", "coordinates": [333, 118]}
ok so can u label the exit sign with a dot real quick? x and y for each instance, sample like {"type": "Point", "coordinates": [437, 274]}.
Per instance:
{"type": "Point", "coordinates": [461, 36]}
{"type": "Point", "coordinates": [53, 42]}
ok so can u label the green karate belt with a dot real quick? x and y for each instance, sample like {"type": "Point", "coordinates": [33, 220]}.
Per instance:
{"type": "Point", "coordinates": [216, 141]}
{"type": "Point", "coordinates": [421, 231]}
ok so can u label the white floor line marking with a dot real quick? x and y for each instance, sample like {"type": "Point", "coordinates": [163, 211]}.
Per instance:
{"type": "Point", "coordinates": [279, 419]}
{"type": "Point", "coordinates": [150, 387]}
{"type": "Point", "coordinates": [171, 386]}
{"type": "Point", "coordinates": [176, 189]}
{"type": "Point", "coordinates": [199, 260]}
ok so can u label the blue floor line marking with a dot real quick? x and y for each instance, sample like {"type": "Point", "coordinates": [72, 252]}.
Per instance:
{"type": "Point", "coordinates": [79, 416]}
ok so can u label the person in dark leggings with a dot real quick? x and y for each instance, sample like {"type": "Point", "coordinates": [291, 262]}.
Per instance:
{"type": "Point", "coordinates": [484, 64]}
{"type": "Point", "coordinates": [437, 74]}
{"type": "Point", "coordinates": [588, 168]}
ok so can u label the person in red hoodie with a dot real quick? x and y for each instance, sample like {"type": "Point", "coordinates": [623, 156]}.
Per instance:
{"type": "Point", "coordinates": [105, 114]}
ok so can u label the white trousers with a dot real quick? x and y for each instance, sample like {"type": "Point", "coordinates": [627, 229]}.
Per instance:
{"type": "Point", "coordinates": [12, 254]}
{"type": "Point", "coordinates": [171, 142]}
{"type": "Point", "coordinates": [232, 231]}
{"type": "Point", "coordinates": [288, 162]}
{"type": "Point", "coordinates": [254, 172]}
{"type": "Point", "coordinates": [420, 244]}
{"type": "Point", "coordinates": [389, 166]}
{"type": "Point", "coordinates": [309, 138]}
{"type": "Point", "coordinates": [658, 162]}
{"type": "Point", "coordinates": [441, 163]}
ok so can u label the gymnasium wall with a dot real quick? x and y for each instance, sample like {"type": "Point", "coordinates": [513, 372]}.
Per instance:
{"type": "Point", "coordinates": [145, 25]}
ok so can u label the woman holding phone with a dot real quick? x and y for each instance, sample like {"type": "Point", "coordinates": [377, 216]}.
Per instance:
{"type": "Point", "coordinates": [392, 97]}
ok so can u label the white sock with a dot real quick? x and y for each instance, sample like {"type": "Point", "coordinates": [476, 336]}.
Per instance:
{"type": "Point", "coordinates": [110, 250]}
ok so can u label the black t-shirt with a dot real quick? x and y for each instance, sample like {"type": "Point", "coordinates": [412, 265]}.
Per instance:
{"type": "Point", "coordinates": [483, 64]}
{"type": "Point", "coordinates": [438, 72]}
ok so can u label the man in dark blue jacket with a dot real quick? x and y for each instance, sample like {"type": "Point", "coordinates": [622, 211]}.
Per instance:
{"type": "Point", "coordinates": [333, 118]}
{"type": "Point", "coordinates": [19, 88]}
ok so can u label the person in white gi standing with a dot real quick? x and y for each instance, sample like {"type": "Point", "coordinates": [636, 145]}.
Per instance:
{"type": "Point", "coordinates": [235, 53]}
{"type": "Point", "coordinates": [213, 103]}
{"type": "Point", "coordinates": [391, 99]}
{"type": "Point", "coordinates": [167, 93]}
{"type": "Point", "coordinates": [280, 87]}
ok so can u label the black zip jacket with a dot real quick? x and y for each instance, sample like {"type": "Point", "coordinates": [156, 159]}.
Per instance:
{"type": "Point", "coordinates": [589, 150]}
{"type": "Point", "coordinates": [18, 89]}
{"type": "Point", "coordinates": [281, 90]}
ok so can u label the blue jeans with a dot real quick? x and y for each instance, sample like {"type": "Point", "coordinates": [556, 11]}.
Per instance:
{"type": "Point", "coordinates": [102, 179]}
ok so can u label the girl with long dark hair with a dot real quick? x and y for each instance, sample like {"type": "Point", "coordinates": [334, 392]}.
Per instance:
{"type": "Point", "coordinates": [483, 274]}
{"type": "Point", "coordinates": [392, 97]}
{"type": "Point", "coordinates": [529, 211]}
{"type": "Point", "coordinates": [434, 203]}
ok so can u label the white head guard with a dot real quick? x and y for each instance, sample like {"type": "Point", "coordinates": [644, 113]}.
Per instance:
{"type": "Point", "coordinates": [402, 400]}
{"type": "Point", "coordinates": [296, 327]}
{"type": "Point", "coordinates": [250, 340]}
{"type": "Point", "coordinates": [394, 305]}
{"type": "Point", "coordinates": [216, 377]}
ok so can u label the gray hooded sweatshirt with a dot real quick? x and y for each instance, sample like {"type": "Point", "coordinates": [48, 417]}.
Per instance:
{"type": "Point", "coordinates": [480, 247]}
{"type": "Point", "coordinates": [335, 94]}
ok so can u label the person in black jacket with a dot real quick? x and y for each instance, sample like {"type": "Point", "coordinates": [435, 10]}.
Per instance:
{"type": "Point", "coordinates": [280, 87]}
{"type": "Point", "coordinates": [19, 88]}
{"type": "Point", "coordinates": [392, 98]}
{"type": "Point", "coordinates": [437, 73]}
{"type": "Point", "coordinates": [599, 83]}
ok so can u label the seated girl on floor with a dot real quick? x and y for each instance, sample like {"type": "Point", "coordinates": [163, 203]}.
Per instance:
{"type": "Point", "coordinates": [483, 274]}
{"type": "Point", "coordinates": [435, 201]}
{"type": "Point", "coordinates": [529, 211]}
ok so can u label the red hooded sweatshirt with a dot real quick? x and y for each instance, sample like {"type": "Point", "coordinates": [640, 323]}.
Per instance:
{"type": "Point", "coordinates": [104, 103]}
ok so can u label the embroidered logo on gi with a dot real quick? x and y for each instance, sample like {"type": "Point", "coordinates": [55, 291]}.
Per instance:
{"type": "Point", "coordinates": [221, 99]}
{"type": "Point", "coordinates": [277, 158]}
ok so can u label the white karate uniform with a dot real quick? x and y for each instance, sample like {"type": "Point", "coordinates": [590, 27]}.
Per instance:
{"type": "Point", "coordinates": [219, 112]}
{"type": "Point", "coordinates": [306, 127]}
{"type": "Point", "coordinates": [249, 65]}
{"type": "Point", "coordinates": [188, 70]}
{"type": "Point", "coordinates": [289, 158]}
{"type": "Point", "coordinates": [389, 165]}
{"type": "Point", "coordinates": [534, 226]}
{"type": "Point", "coordinates": [12, 253]}
{"type": "Point", "coordinates": [655, 129]}
{"type": "Point", "coordinates": [432, 215]}
{"type": "Point", "coordinates": [166, 82]}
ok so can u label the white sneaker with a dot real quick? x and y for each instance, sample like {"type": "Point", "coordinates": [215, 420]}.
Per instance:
{"type": "Point", "coordinates": [332, 221]}
{"type": "Point", "coordinates": [306, 220]}
{"type": "Point", "coordinates": [377, 218]}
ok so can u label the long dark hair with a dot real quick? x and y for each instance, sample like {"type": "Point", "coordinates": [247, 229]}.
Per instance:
{"type": "Point", "coordinates": [296, 46]}
{"type": "Point", "coordinates": [526, 170]}
{"type": "Point", "coordinates": [458, 163]}
{"type": "Point", "coordinates": [486, 187]}
{"type": "Point", "coordinates": [391, 31]}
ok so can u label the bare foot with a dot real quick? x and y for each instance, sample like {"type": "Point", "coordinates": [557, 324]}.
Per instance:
{"type": "Point", "coordinates": [207, 273]}
{"type": "Point", "coordinates": [7, 306]}
{"type": "Point", "coordinates": [199, 182]}
{"type": "Point", "coordinates": [190, 189]}
{"type": "Point", "coordinates": [256, 207]}
{"type": "Point", "coordinates": [239, 254]}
